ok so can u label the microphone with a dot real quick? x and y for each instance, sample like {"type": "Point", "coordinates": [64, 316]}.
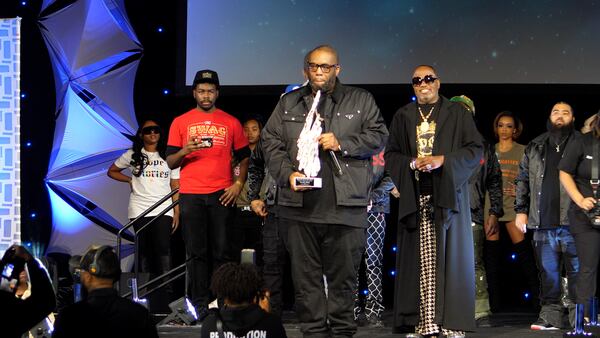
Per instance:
{"type": "Point", "coordinates": [336, 163]}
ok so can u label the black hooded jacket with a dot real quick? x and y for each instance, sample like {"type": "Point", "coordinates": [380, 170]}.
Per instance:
{"type": "Point", "coordinates": [247, 321]}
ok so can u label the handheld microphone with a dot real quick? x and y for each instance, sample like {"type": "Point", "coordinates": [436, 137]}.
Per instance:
{"type": "Point", "coordinates": [336, 163]}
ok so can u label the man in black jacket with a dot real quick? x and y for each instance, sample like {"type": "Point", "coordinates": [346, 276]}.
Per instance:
{"type": "Point", "coordinates": [541, 204]}
{"type": "Point", "coordinates": [488, 179]}
{"type": "Point", "coordinates": [103, 313]}
{"type": "Point", "coordinates": [19, 315]}
{"type": "Point", "coordinates": [325, 226]}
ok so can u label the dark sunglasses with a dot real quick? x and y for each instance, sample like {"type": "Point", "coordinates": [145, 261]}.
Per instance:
{"type": "Point", "coordinates": [150, 129]}
{"type": "Point", "coordinates": [428, 79]}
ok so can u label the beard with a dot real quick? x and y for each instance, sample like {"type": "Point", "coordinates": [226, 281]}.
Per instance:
{"type": "Point", "coordinates": [326, 87]}
{"type": "Point", "coordinates": [559, 131]}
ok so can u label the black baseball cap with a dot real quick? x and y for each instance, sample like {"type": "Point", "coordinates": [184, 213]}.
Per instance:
{"type": "Point", "coordinates": [206, 76]}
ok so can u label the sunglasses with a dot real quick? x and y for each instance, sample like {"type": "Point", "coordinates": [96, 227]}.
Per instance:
{"type": "Point", "coordinates": [150, 129]}
{"type": "Point", "coordinates": [428, 79]}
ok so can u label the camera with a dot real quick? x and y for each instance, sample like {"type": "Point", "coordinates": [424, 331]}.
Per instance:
{"type": "Point", "coordinates": [204, 142]}
{"type": "Point", "coordinates": [594, 215]}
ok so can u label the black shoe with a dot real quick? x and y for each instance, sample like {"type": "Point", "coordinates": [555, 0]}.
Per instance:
{"type": "Point", "coordinates": [483, 322]}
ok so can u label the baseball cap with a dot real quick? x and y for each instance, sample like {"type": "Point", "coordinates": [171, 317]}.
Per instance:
{"type": "Point", "coordinates": [466, 101]}
{"type": "Point", "coordinates": [206, 76]}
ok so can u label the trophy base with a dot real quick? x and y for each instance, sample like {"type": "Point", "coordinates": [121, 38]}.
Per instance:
{"type": "Point", "coordinates": [309, 182]}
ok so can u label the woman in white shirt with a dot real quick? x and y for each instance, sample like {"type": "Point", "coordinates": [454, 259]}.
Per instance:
{"type": "Point", "coordinates": [150, 180]}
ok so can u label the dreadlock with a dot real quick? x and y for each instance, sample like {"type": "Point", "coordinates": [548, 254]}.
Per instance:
{"type": "Point", "coordinates": [239, 283]}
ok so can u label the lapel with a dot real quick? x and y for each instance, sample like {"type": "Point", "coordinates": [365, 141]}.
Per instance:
{"type": "Point", "coordinates": [442, 117]}
{"type": "Point", "coordinates": [411, 120]}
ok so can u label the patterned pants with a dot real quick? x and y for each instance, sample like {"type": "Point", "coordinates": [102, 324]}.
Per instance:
{"type": "Point", "coordinates": [427, 276]}
{"type": "Point", "coordinates": [373, 263]}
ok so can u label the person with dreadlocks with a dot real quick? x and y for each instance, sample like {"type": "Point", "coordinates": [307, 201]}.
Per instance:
{"type": "Point", "coordinates": [150, 180]}
{"type": "Point", "coordinates": [239, 286]}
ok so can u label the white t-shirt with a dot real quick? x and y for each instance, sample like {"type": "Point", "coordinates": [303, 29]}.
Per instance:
{"type": "Point", "coordinates": [153, 184]}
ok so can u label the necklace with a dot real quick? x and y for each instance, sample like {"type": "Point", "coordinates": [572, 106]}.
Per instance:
{"type": "Point", "coordinates": [560, 144]}
{"type": "Point", "coordinates": [424, 126]}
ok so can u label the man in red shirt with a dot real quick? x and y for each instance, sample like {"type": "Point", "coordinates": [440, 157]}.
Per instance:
{"type": "Point", "coordinates": [202, 142]}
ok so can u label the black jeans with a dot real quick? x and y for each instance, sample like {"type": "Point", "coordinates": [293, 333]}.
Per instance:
{"type": "Point", "coordinates": [273, 262]}
{"type": "Point", "coordinates": [588, 251]}
{"type": "Point", "coordinates": [244, 233]}
{"type": "Point", "coordinates": [329, 250]}
{"type": "Point", "coordinates": [205, 221]}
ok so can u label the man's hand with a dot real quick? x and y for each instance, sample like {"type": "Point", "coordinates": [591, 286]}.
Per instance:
{"type": "Point", "coordinates": [586, 203]}
{"type": "Point", "coordinates": [491, 226]}
{"type": "Point", "coordinates": [259, 208]}
{"type": "Point", "coordinates": [231, 194]}
{"type": "Point", "coordinates": [429, 163]}
{"type": "Point", "coordinates": [521, 222]}
{"type": "Point", "coordinates": [293, 181]}
{"type": "Point", "coordinates": [329, 142]}
{"type": "Point", "coordinates": [193, 144]}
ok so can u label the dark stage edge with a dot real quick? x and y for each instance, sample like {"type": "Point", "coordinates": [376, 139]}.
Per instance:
{"type": "Point", "coordinates": [509, 325]}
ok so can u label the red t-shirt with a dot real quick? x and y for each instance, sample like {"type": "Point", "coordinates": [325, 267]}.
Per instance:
{"type": "Point", "coordinates": [209, 169]}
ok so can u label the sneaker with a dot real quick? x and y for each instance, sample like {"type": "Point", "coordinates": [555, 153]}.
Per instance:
{"type": "Point", "coordinates": [483, 322]}
{"type": "Point", "coordinates": [541, 324]}
{"type": "Point", "coordinates": [375, 322]}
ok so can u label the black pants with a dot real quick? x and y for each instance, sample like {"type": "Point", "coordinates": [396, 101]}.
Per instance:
{"type": "Point", "coordinates": [588, 251]}
{"type": "Point", "coordinates": [274, 256]}
{"type": "Point", "coordinates": [205, 222]}
{"type": "Point", "coordinates": [155, 257]}
{"type": "Point", "coordinates": [329, 250]}
{"type": "Point", "coordinates": [245, 234]}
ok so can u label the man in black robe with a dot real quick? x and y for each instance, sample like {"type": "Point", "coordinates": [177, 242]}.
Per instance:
{"type": "Point", "coordinates": [433, 149]}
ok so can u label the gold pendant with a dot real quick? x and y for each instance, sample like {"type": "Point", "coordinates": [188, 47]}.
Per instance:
{"type": "Point", "coordinates": [424, 126]}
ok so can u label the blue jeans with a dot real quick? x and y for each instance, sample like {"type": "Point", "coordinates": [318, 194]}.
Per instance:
{"type": "Point", "coordinates": [553, 247]}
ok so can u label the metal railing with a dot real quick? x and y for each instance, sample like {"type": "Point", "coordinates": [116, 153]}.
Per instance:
{"type": "Point", "coordinates": [135, 288]}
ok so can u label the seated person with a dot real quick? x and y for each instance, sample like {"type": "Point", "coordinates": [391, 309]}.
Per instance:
{"type": "Point", "coordinates": [18, 315]}
{"type": "Point", "coordinates": [103, 313]}
{"type": "Point", "coordinates": [239, 287]}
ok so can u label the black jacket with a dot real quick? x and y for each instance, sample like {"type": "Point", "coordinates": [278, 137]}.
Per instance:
{"type": "Point", "coordinates": [259, 179]}
{"type": "Point", "coordinates": [248, 321]}
{"type": "Point", "coordinates": [529, 182]}
{"type": "Point", "coordinates": [487, 179]}
{"type": "Point", "coordinates": [17, 315]}
{"type": "Point", "coordinates": [104, 314]}
{"type": "Point", "coordinates": [356, 123]}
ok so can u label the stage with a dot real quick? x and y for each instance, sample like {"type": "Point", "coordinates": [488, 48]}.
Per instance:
{"type": "Point", "coordinates": [509, 325]}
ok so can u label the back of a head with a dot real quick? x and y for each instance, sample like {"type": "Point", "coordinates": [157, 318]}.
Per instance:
{"type": "Point", "coordinates": [101, 262]}
{"type": "Point", "coordinates": [237, 283]}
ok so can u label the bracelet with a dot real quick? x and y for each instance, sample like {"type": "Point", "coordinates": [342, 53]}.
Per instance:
{"type": "Point", "coordinates": [413, 164]}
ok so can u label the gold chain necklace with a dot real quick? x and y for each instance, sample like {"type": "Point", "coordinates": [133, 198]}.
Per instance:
{"type": "Point", "coordinates": [424, 126]}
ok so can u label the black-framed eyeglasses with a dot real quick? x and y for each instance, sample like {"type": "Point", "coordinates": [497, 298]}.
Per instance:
{"type": "Point", "coordinates": [428, 79]}
{"type": "Point", "coordinates": [325, 68]}
{"type": "Point", "coordinates": [150, 129]}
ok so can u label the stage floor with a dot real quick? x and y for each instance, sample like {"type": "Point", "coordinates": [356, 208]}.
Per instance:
{"type": "Point", "coordinates": [507, 325]}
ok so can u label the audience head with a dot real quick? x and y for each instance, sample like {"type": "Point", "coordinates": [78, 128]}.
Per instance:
{"type": "Point", "coordinates": [100, 268]}
{"type": "Point", "coordinates": [237, 284]}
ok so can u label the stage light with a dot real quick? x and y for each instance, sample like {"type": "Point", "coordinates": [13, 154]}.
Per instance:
{"type": "Point", "coordinates": [159, 29]}
{"type": "Point", "coordinates": [23, 95]}
{"type": "Point", "coordinates": [165, 92]}
{"type": "Point", "coordinates": [365, 292]}
{"type": "Point", "coordinates": [182, 311]}
{"type": "Point", "coordinates": [526, 295]}
{"type": "Point", "coordinates": [414, 98]}
{"type": "Point", "coordinates": [394, 248]}
{"type": "Point", "coordinates": [33, 215]}
{"type": "Point", "coordinates": [28, 144]}
{"type": "Point", "coordinates": [393, 272]}
{"type": "Point", "coordinates": [513, 256]}
{"type": "Point", "coordinates": [23, 3]}
{"type": "Point", "coordinates": [27, 244]}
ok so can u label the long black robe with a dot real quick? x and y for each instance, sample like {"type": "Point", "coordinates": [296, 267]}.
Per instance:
{"type": "Point", "coordinates": [457, 138]}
